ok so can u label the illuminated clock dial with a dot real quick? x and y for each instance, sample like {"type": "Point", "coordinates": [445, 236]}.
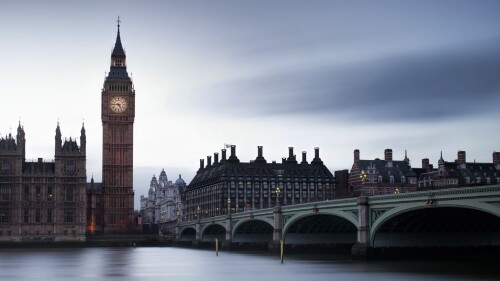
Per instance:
{"type": "Point", "coordinates": [118, 104]}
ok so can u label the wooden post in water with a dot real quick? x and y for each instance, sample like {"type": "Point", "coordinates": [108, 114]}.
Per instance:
{"type": "Point", "coordinates": [216, 247]}
{"type": "Point", "coordinates": [281, 250]}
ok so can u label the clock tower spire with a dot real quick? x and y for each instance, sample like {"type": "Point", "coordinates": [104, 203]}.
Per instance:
{"type": "Point", "coordinates": [117, 115]}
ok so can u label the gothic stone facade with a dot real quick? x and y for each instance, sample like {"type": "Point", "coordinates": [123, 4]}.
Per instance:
{"type": "Point", "coordinates": [164, 202]}
{"type": "Point", "coordinates": [42, 200]}
{"type": "Point", "coordinates": [117, 115]}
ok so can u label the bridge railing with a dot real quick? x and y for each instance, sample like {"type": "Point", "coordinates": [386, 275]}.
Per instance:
{"type": "Point", "coordinates": [387, 190]}
{"type": "Point", "coordinates": [223, 212]}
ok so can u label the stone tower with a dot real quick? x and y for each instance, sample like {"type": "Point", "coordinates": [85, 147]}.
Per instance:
{"type": "Point", "coordinates": [117, 114]}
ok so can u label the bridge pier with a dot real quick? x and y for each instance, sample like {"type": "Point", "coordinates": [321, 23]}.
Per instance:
{"type": "Point", "coordinates": [226, 244]}
{"type": "Point", "coordinates": [274, 246]}
{"type": "Point", "coordinates": [197, 240]}
{"type": "Point", "coordinates": [362, 250]}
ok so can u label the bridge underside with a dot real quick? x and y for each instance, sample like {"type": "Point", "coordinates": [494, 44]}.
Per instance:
{"type": "Point", "coordinates": [321, 229]}
{"type": "Point", "coordinates": [213, 232]}
{"type": "Point", "coordinates": [254, 231]}
{"type": "Point", "coordinates": [440, 227]}
{"type": "Point", "coordinates": [188, 234]}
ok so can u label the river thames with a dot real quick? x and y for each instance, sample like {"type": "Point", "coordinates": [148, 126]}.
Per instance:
{"type": "Point", "coordinates": [197, 265]}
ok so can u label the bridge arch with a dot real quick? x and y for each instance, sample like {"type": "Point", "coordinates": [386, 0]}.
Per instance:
{"type": "Point", "coordinates": [253, 231]}
{"type": "Point", "coordinates": [187, 234]}
{"type": "Point", "coordinates": [325, 228]}
{"type": "Point", "coordinates": [444, 225]}
{"type": "Point", "coordinates": [213, 231]}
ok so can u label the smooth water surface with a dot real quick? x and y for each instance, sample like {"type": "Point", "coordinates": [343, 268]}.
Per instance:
{"type": "Point", "coordinates": [188, 264]}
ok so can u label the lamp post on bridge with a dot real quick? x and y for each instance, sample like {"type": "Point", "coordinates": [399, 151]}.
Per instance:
{"type": "Point", "coordinates": [228, 206]}
{"type": "Point", "coordinates": [278, 191]}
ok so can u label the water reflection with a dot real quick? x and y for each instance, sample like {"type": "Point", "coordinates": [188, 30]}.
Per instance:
{"type": "Point", "coordinates": [186, 264]}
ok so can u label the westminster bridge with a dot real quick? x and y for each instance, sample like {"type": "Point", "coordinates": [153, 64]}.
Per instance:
{"type": "Point", "coordinates": [459, 217]}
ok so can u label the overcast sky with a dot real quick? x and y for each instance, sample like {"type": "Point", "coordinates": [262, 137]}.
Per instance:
{"type": "Point", "coordinates": [339, 75]}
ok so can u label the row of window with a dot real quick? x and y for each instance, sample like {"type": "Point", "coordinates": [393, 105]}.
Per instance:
{"type": "Point", "coordinates": [118, 87]}
{"type": "Point", "coordinates": [49, 233]}
{"type": "Point", "coordinates": [36, 217]}
{"type": "Point", "coordinates": [48, 193]}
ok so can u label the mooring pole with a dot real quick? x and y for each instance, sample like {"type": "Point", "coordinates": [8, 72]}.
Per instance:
{"type": "Point", "coordinates": [281, 251]}
{"type": "Point", "coordinates": [216, 247]}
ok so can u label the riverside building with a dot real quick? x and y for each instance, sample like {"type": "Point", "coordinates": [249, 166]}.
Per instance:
{"type": "Point", "coordinates": [229, 186]}
{"type": "Point", "coordinates": [42, 200]}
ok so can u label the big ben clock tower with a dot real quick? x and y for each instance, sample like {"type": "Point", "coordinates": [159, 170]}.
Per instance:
{"type": "Point", "coordinates": [117, 114]}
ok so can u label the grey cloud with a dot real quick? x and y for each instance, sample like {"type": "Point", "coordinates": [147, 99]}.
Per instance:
{"type": "Point", "coordinates": [445, 83]}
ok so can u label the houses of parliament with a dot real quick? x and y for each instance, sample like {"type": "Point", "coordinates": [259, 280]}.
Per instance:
{"type": "Point", "coordinates": [51, 200]}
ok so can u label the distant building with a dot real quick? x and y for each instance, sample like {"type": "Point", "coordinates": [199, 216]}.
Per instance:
{"type": "Point", "coordinates": [342, 184]}
{"type": "Point", "coordinates": [462, 173]}
{"type": "Point", "coordinates": [234, 186]}
{"type": "Point", "coordinates": [374, 177]}
{"type": "Point", "coordinates": [164, 202]}
{"type": "Point", "coordinates": [42, 200]}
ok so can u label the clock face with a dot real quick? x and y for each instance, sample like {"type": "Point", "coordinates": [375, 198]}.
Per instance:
{"type": "Point", "coordinates": [118, 104]}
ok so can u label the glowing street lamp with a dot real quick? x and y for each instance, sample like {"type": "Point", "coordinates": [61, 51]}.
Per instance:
{"type": "Point", "coordinates": [362, 176]}
{"type": "Point", "coordinates": [278, 190]}
{"type": "Point", "coordinates": [228, 205]}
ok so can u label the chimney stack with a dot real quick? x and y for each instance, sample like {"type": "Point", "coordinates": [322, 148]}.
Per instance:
{"type": "Point", "coordinates": [209, 161]}
{"type": "Point", "coordinates": [233, 157]}
{"type": "Point", "coordinates": [388, 155]}
{"type": "Point", "coordinates": [291, 157]}
{"type": "Point", "coordinates": [202, 164]}
{"type": "Point", "coordinates": [304, 158]}
{"type": "Point", "coordinates": [461, 157]}
{"type": "Point", "coordinates": [356, 155]}
{"type": "Point", "coordinates": [425, 164]}
{"type": "Point", "coordinates": [316, 159]}
{"type": "Point", "coordinates": [496, 160]}
{"type": "Point", "coordinates": [283, 160]}
{"type": "Point", "coordinates": [260, 159]}
{"type": "Point", "coordinates": [216, 158]}
{"type": "Point", "coordinates": [223, 155]}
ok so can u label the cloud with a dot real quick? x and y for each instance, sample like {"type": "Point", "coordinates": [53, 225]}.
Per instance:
{"type": "Point", "coordinates": [419, 86]}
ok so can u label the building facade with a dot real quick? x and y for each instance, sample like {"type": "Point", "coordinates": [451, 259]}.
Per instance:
{"type": "Point", "coordinates": [374, 177]}
{"type": "Point", "coordinates": [229, 186]}
{"type": "Point", "coordinates": [164, 202]}
{"type": "Point", "coordinates": [42, 200]}
{"type": "Point", "coordinates": [117, 114]}
{"type": "Point", "coordinates": [462, 173]}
